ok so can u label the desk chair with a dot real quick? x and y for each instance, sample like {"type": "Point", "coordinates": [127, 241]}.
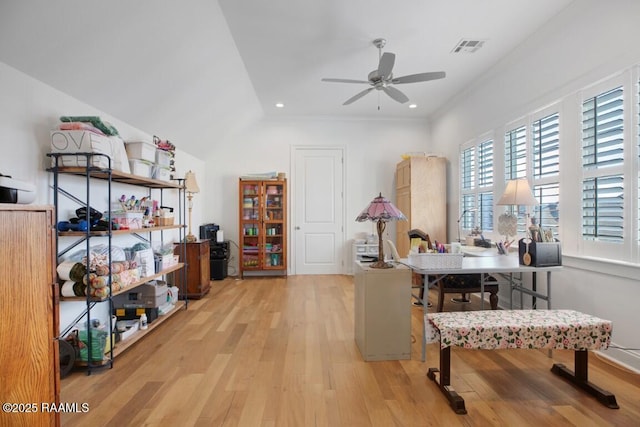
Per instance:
{"type": "Point", "coordinates": [417, 280]}
{"type": "Point", "coordinates": [465, 284]}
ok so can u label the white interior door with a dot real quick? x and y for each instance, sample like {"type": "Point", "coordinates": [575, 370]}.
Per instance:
{"type": "Point", "coordinates": [317, 210]}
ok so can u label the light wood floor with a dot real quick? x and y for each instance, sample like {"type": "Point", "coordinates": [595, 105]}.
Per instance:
{"type": "Point", "coordinates": [281, 352]}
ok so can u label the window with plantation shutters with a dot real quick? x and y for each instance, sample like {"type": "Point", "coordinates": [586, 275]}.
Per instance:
{"type": "Point", "coordinates": [515, 166]}
{"type": "Point", "coordinates": [515, 153]}
{"type": "Point", "coordinates": [603, 209]}
{"type": "Point", "coordinates": [485, 184]}
{"type": "Point", "coordinates": [602, 130]}
{"type": "Point", "coordinates": [468, 204]}
{"type": "Point", "coordinates": [547, 212]}
{"type": "Point", "coordinates": [485, 164]}
{"type": "Point", "coordinates": [476, 182]}
{"type": "Point", "coordinates": [546, 146]}
{"type": "Point", "coordinates": [467, 187]}
{"type": "Point", "coordinates": [545, 140]}
{"type": "Point", "coordinates": [467, 168]}
{"type": "Point", "coordinates": [485, 211]}
{"type": "Point", "coordinates": [602, 162]}
{"type": "Point", "coordinates": [592, 205]}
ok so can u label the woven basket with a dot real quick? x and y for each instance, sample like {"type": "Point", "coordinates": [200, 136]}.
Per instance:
{"type": "Point", "coordinates": [163, 220]}
{"type": "Point", "coordinates": [436, 261]}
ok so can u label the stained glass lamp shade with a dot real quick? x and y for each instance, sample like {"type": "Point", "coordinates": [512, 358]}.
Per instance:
{"type": "Point", "coordinates": [380, 211]}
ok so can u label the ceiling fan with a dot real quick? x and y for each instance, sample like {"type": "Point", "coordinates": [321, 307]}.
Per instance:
{"type": "Point", "coordinates": [382, 78]}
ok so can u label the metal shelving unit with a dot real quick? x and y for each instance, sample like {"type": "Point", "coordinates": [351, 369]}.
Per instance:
{"type": "Point", "coordinates": [91, 173]}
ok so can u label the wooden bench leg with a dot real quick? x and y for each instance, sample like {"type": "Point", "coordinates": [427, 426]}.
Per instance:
{"type": "Point", "coordinates": [581, 379]}
{"type": "Point", "coordinates": [456, 401]}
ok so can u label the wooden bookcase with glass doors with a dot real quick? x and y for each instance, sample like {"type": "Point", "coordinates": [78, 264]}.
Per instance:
{"type": "Point", "coordinates": [263, 227]}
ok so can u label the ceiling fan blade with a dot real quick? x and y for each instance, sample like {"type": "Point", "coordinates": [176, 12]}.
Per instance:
{"type": "Point", "coordinates": [395, 94]}
{"type": "Point", "coordinates": [386, 65]}
{"type": "Point", "coordinates": [357, 96]}
{"type": "Point", "coordinates": [344, 81]}
{"type": "Point", "coordinates": [421, 77]}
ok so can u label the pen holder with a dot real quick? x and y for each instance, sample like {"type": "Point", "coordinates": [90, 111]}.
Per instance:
{"type": "Point", "coordinates": [539, 254]}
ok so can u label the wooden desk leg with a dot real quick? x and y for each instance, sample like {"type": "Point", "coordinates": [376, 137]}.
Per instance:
{"type": "Point", "coordinates": [456, 401]}
{"type": "Point", "coordinates": [581, 379]}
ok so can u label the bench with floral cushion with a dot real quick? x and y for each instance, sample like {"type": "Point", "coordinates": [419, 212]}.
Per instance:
{"type": "Point", "coordinates": [532, 329]}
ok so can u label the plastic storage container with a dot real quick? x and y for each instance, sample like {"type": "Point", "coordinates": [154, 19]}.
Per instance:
{"type": "Point", "coordinates": [163, 158]}
{"type": "Point", "coordinates": [140, 167]}
{"type": "Point", "coordinates": [141, 150]}
{"type": "Point", "coordinates": [162, 173]}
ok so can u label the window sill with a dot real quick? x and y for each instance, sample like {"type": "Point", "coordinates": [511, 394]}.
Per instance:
{"type": "Point", "coordinates": [627, 270]}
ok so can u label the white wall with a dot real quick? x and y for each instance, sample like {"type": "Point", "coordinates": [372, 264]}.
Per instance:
{"type": "Point", "coordinates": [372, 148]}
{"type": "Point", "coordinates": [585, 43]}
{"type": "Point", "coordinates": [28, 112]}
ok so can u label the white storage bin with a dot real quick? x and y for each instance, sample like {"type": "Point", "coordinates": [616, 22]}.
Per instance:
{"type": "Point", "coordinates": [433, 261]}
{"type": "Point", "coordinates": [168, 261]}
{"type": "Point", "coordinates": [141, 150]}
{"type": "Point", "coordinates": [163, 158]}
{"type": "Point", "coordinates": [146, 262]}
{"type": "Point", "coordinates": [162, 173]}
{"type": "Point", "coordinates": [141, 167]}
{"type": "Point", "coordinates": [120, 160]}
{"type": "Point", "coordinates": [129, 327]}
{"type": "Point", "coordinates": [80, 141]}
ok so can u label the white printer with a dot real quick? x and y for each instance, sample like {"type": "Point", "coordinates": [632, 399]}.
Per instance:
{"type": "Point", "coordinates": [14, 191]}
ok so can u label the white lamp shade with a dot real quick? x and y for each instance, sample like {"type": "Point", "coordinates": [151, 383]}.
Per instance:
{"type": "Point", "coordinates": [518, 193]}
{"type": "Point", "coordinates": [190, 183]}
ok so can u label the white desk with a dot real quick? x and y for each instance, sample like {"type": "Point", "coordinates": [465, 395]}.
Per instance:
{"type": "Point", "coordinates": [503, 265]}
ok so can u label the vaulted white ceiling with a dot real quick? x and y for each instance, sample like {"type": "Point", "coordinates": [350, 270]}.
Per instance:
{"type": "Point", "coordinates": [197, 70]}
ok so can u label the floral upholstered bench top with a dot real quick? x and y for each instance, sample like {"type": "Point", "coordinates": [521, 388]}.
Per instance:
{"type": "Point", "coordinates": [496, 329]}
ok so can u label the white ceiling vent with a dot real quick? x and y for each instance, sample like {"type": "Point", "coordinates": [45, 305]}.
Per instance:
{"type": "Point", "coordinates": [468, 46]}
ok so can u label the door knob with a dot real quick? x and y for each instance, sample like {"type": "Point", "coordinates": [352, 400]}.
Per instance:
{"type": "Point", "coordinates": [297, 228]}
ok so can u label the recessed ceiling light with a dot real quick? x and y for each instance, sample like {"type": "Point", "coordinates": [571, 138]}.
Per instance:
{"type": "Point", "coordinates": [279, 105]}
{"type": "Point", "coordinates": [413, 106]}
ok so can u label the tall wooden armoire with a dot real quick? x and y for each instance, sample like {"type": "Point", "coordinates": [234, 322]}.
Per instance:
{"type": "Point", "coordinates": [421, 195]}
{"type": "Point", "coordinates": [29, 361]}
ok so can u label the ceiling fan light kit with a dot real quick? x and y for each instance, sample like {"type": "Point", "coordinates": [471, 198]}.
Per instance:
{"type": "Point", "coordinates": [382, 77]}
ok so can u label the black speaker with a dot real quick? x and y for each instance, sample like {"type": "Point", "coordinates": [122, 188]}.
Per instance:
{"type": "Point", "coordinates": [219, 250]}
{"type": "Point", "coordinates": [218, 268]}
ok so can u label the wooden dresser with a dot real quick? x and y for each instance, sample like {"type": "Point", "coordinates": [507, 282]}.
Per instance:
{"type": "Point", "coordinates": [198, 270]}
{"type": "Point", "coordinates": [29, 354]}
